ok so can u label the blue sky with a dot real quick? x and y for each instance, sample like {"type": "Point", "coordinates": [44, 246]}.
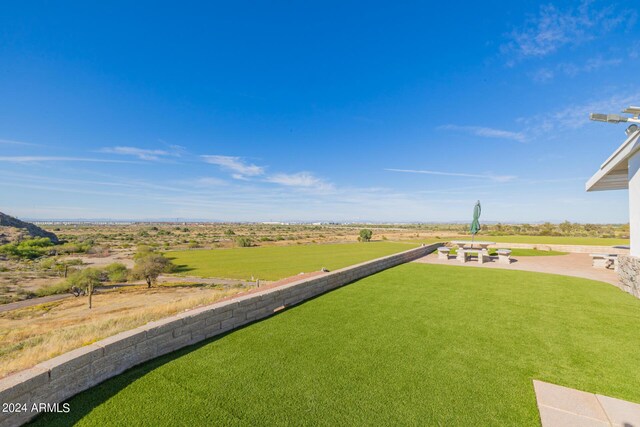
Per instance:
{"type": "Point", "coordinates": [246, 111]}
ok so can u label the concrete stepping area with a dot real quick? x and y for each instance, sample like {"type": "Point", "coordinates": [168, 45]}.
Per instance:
{"type": "Point", "coordinates": [574, 264]}
{"type": "Point", "coordinates": [562, 406]}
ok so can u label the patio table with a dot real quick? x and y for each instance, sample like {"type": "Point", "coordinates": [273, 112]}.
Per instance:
{"type": "Point", "coordinates": [472, 244]}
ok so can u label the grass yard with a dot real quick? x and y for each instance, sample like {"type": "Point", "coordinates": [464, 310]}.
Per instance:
{"type": "Point", "coordinates": [414, 345]}
{"type": "Point", "coordinates": [534, 240]}
{"type": "Point", "coordinates": [277, 262]}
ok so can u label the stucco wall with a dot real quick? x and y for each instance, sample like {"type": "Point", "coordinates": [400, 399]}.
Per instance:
{"type": "Point", "coordinates": [58, 379]}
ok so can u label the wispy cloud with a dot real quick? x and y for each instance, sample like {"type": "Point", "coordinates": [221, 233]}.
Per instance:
{"type": "Point", "coordinates": [12, 142]}
{"type": "Point", "coordinates": [575, 116]}
{"type": "Point", "coordinates": [497, 178]}
{"type": "Point", "coordinates": [572, 69]}
{"type": "Point", "coordinates": [543, 75]}
{"type": "Point", "coordinates": [553, 28]}
{"type": "Point", "coordinates": [487, 132]}
{"type": "Point", "coordinates": [209, 181]}
{"type": "Point", "coordinates": [237, 165]}
{"type": "Point", "coordinates": [35, 159]}
{"type": "Point", "coordinates": [592, 64]}
{"type": "Point", "coordinates": [143, 153]}
{"type": "Point", "coordinates": [300, 179]}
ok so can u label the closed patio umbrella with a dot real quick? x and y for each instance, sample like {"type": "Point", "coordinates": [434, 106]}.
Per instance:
{"type": "Point", "coordinates": [475, 224]}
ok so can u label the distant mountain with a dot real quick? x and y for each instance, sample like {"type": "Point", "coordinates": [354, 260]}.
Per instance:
{"type": "Point", "coordinates": [12, 229]}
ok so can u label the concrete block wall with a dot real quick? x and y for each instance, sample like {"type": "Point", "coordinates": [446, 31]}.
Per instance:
{"type": "Point", "coordinates": [58, 379]}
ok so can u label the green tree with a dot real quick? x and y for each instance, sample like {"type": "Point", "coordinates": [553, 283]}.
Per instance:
{"type": "Point", "coordinates": [86, 279]}
{"type": "Point", "coordinates": [365, 235]}
{"type": "Point", "coordinates": [150, 266]}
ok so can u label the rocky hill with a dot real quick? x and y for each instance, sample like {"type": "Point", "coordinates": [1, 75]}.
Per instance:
{"type": "Point", "coordinates": [12, 229]}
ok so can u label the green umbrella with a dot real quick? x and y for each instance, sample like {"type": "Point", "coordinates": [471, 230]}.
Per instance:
{"type": "Point", "coordinates": [475, 224]}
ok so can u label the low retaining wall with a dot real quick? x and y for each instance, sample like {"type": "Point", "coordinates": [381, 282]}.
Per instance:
{"type": "Point", "coordinates": [629, 273]}
{"type": "Point", "coordinates": [56, 380]}
{"type": "Point", "coordinates": [580, 249]}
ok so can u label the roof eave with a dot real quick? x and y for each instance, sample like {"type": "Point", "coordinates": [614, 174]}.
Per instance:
{"type": "Point", "coordinates": [611, 176]}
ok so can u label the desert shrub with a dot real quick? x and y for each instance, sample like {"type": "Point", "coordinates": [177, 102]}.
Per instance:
{"type": "Point", "coordinates": [74, 247]}
{"type": "Point", "coordinates": [27, 249]}
{"type": "Point", "coordinates": [98, 250]}
{"type": "Point", "coordinates": [365, 235]}
{"type": "Point", "coordinates": [244, 242]}
{"type": "Point", "coordinates": [117, 272]}
{"type": "Point", "coordinates": [143, 251]}
{"type": "Point", "coordinates": [59, 288]}
{"type": "Point", "coordinates": [24, 293]}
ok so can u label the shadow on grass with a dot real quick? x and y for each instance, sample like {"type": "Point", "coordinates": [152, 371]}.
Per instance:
{"type": "Point", "coordinates": [182, 268]}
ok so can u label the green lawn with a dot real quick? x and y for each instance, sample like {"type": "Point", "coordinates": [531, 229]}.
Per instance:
{"type": "Point", "coordinates": [414, 345]}
{"type": "Point", "coordinates": [543, 240]}
{"type": "Point", "coordinates": [277, 262]}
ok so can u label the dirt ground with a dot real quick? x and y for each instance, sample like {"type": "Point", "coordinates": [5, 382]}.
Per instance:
{"type": "Point", "coordinates": [33, 334]}
{"type": "Point", "coordinates": [125, 258]}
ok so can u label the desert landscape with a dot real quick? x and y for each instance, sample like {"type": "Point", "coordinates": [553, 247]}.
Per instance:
{"type": "Point", "coordinates": [320, 214]}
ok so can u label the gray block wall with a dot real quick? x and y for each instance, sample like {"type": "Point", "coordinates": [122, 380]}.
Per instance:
{"type": "Point", "coordinates": [58, 379]}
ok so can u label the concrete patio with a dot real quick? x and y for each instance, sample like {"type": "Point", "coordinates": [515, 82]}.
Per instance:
{"type": "Point", "coordinates": [574, 264]}
{"type": "Point", "coordinates": [561, 406]}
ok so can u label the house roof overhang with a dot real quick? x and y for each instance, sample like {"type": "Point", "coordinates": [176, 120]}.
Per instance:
{"type": "Point", "coordinates": [614, 172]}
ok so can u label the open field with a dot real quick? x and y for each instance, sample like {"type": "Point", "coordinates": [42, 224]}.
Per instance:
{"type": "Point", "coordinates": [277, 262]}
{"type": "Point", "coordinates": [34, 334]}
{"type": "Point", "coordinates": [413, 345]}
{"type": "Point", "coordinates": [97, 245]}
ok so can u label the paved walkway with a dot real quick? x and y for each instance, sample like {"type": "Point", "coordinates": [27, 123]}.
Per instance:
{"type": "Point", "coordinates": [561, 406]}
{"type": "Point", "coordinates": [578, 265]}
